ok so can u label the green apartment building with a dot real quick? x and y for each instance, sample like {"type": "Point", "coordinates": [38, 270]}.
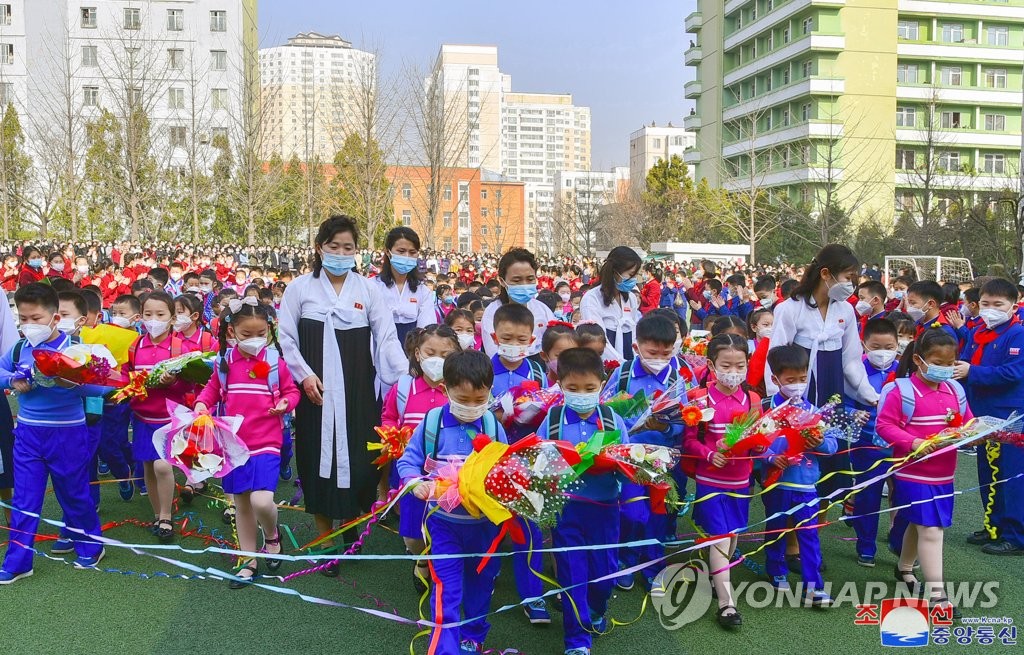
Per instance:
{"type": "Point", "coordinates": [880, 106]}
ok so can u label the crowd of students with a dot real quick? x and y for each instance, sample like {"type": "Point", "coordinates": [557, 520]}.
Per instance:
{"type": "Point", "coordinates": [907, 356]}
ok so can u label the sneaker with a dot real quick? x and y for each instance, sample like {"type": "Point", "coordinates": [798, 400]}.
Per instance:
{"type": "Point", "coordinates": [818, 599]}
{"type": "Point", "coordinates": [980, 538]}
{"type": "Point", "coordinates": [62, 547]}
{"type": "Point", "coordinates": [470, 647]}
{"type": "Point", "coordinates": [865, 561]}
{"type": "Point", "coordinates": [103, 468]}
{"type": "Point", "coordinates": [127, 490]}
{"type": "Point", "coordinates": [578, 651]}
{"type": "Point", "coordinates": [624, 582]}
{"type": "Point", "coordinates": [599, 625]}
{"type": "Point", "coordinates": [6, 577]}
{"type": "Point", "coordinates": [780, 582]}
{"type": "Point", "coordinates": [537, 612]}
{"type": "Point", "coordinates": [90, 562]}
{"type": "Point", "coordinates": [141, 485]}
{"type": "Point", "coordinates": [286, 471]}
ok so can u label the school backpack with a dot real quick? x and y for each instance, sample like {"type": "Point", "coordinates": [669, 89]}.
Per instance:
{"type": "Point", "coordinates": [176, 345]}
{"type": "Point", "coordinates": [432, 427]}
{"type": "Point", "coordinates": [273, 377]}
{"type": "Point", "coordinates": [537, 373]}
{"type": "Point", "coordinates": [404, 390]}
{"type": "Point", "coordinates": [673, 376]}
{"type": "Point", "coordinates": [556, 418]}
{"type": "Point", "coordinates": [908, 400]}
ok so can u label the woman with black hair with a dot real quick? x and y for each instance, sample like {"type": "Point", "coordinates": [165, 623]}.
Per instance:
{"type": "Point", "coordinates": [612, 304]}
{"type": "Point", "coordinates": [400, 284]}
{"type": "Point", "coordinates": [337, 333]}
{"type": "Point", "coordinates": [517, 275]}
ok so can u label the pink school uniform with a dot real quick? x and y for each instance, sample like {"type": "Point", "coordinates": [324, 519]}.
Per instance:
{"type": "Point", "coordinates": [150, 413]}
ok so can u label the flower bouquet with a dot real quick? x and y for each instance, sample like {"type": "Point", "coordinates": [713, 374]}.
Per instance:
{"type": "Point", "coordinates": [993, 429]}
{"type": "Point", "coordinates": [195, 368]}
{"type": "Point", "coordinates": [628, 406]}
{"type": "Point", "coordinates": [118, 340]}
{"type": "Point", "coordinates": [78, 364]}
{"type": "Point", "coordinates": [695, 350]}
{"type": "Point", "coordinates": [391, 445]}
{"type": "Point", "coordinates": [526, 404]}
{"type": "Point", "coordinates": [678, 405]}
{"type": "Point", "coordinates": [644, 464]}
{"type": "Point", "coordinates": [201, 445]}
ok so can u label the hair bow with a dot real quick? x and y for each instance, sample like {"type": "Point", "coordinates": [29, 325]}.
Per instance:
{"type": "Point", "coordinates": [235, 304]}
{"type": "Point", "coordinates": [552, 324]}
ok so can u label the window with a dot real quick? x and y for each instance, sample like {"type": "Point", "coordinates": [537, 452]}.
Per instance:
{"type": "Point", "coordinates": [218, 21]}
{"type": "Point", "coordinates": [483, 230]}
{"type": "Point", "coordinates": [906, 74]}
{"type": "Point", "coordinates": [904, 159]}
{"type": "Point", "coordinates": [906, 117]}
{"type": "Point", "coordinates": [406, 192]}
{"type": "Point", "coordinates": [175, 59]}
{"type": "Point", "coordinates": [771, 41]}
{"type": "Point", "coordinates": [768, 122]}
{"type": "Point", "coordinates": [91, 96]}
{"type": "Point", "coordinates": [949, 161]}
{"type": "Point", "coordinates": [448, 192]}
{"type": "Point", "coordinates": [6, 93]}
{"type": "Point", "coordinates": [407, 218]}
{"type": "Point", "coordinates": [951, 75]}
{"type": "Point", "coordinates": [132, 19]}
{"type": "Point", "coordinates": [176, 98]}
{"type": "Point", "coordinates": [218, 60]}
{"type": "Point", "coordinates": [785, 76]}
{"type": "Point", "coordinates": [7, 54]}
{"type": "Point", "coordinates": [950, 120]}
{"type": "Point", "coordinates": [89, 17]}
{"type": "Point", "coordinates": [447, 219]}
{"type": "Point", "coordinates": [767, 86]}
{"type": "Point", "coordinates": [175, 20]}
{"type": "Point", "coordinates": [998, 35]}
{"type": "Point", "coordinates": [805, 112]}
{"type": "Point", "coordinates": [807, 25]}
{"type": "Point", "coordinates": [952, 33]}
{"type": "Point", "coordinates": [805, 155]}
{"type": "Point", "coordinates": [134, 95]}
{"type": "Point", "coordinates": [656, 143]}
{"type": "Point", "coordinates": [995, 78]}
{"type": "Point", "coordinates": [807, 68]}
{"type": "Point", "coordinates": [995, 122]}
{"type": "Point", "coordinates": [448, 243]}
{"type": "Point", "coordinates": [219, 98]}
{"type": "Point", "coordinates": [483, 194]}
{"type": "Point", "coordinates": [484, 212]}
{"type": "Point", "coordinates": [991, 163]}
{"type": "Point", "coordinates": [904, 201]}
{"type": "Point", "coordinates": [5, 14]}
{"type": "Point", "coordinates": [907, 29]}
{"type": "Point", "coordinates": [786, 35]}
{"type": "Point", "coordinates": [785, 117]}
{"type": "Point", "coordinates": [219, 134]}
{"type": "Point", "coordinates": [177, 136]}
{"type": "Point", "coordinates": [89, 57]}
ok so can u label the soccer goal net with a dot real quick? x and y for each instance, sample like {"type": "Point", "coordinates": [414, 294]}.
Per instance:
{"type": "Point", "coordinates": [941, 269]}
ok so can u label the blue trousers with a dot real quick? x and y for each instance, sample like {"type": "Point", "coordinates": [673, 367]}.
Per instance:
{"type": "Point", "coordinates": [868, 500]}
{"type": "Point", "coordinates": [287, 447]}
{"type": "Point", "coordinates": [526, 560]}
{"type": "Point", "coordinates": [93, 432]}
{"type": "Point", "coordinates": [661, 527]}
{"type": "Point", "coordinates": [997, 494]}
{"type": "Point", "coordinates": [459, 591]}
{"type": "Point", "coordinates": [1011, 463]}
{"type": "Point", "coordinates": [583, 523]}
{"type": "Point", "coordinates": [61, 454]}
{"type": "Point", "coordinates": [114, 447]}
{"type": "Point", "coordinates": [781, 499]}
{"type": "Point", "coordinates": [634, 516]}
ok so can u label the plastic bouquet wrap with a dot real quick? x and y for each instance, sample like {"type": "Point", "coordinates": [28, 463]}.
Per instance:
{"type": "Point", "coordinates": [629, 406]}
{"type": "Point", "coordinates": [202, 446]}
{"type": "Point", "coordinates": [526, 404]}
{"type": "Point", "coordinates": [837, 418]}
{"type": "Point", "coordinates": [79, 364]}
{"type": "Point", "coordinates": [678, 405]}
{"type": "Point", "coordinates": [993, 429]}
{"type": "Point", "coordinates": [391, 445]}
{"type": "Point", "coordinates": [695, 349]}
{"type": "Point", "coordinates": [118, 339]}
{"type": "Point", "coordinates": [647, 465]}
{"type": "Point", "coordinates": [195, 368]}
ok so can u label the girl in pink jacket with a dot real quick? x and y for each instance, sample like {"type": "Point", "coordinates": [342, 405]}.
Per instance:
{"type": "Point", "coordinates": [252, 381]}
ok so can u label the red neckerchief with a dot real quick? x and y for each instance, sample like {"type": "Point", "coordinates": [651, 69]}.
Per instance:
{"type": "Point", "coordinates": [985, 336]}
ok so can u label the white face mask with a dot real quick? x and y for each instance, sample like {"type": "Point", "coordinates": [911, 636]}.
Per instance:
{"type": "Point", "coordinates": [795, 390]}
{"type": "Point", "coordinates": [565, 296]}
{"type": "Point", "coordinates": [467, 413]}
{"type": "Point", "coordinates": [765, 332]}
{"type": "Point", "coordinates": [840, 291]}
{"type": "Point", "coordinates": [655, 366]}
{"type": "Point", "coordinates": [767, 302]}
{"type": "Point", "coordinates": [59, 267]}
{"type": "Point", "coordinates": [155, 328]}
{"type": "Point", "coordinates": [993, 317]}
{"type": "Point", "coordinates": [120, 321]}
{"type": "Point", "coordinates": [466, 341]}
{"type": "Point", "coordinates": [83, 269]}
{"type": "Point", "coordinates": [253, 346]}
{"type": "Point", "coordinates": [915, 313]}
{"type": "Point", "coordinates": [36, 333]}
{"type": "Point", "coordinates": [512, 353]}
{"type": "Point", "coordinates": [863, 308]}
{"type": "Point", "coordinates": [731, 379]}
{"type": "Point", "coordinates": [232, 342]}
{"type": "Point", "coordinates": [67, 325]}
{"type": "Point", "coordinates": [433, 368]}
{"type": "Point", "coordinates": [903, 343]}
{"type": "Point", "coordinates": [882, 359]}
{"type": "Point", "coordinates": [181, 322]}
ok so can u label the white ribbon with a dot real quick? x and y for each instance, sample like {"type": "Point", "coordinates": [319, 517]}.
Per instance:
{"type": "Point", "coordinates": [235, 304]}
{"type": "Point", "coordinates": [333, 423]}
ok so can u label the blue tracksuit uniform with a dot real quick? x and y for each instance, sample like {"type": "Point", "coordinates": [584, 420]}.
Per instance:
{"type": "Point", "coordinates": [51, 441]}
{"type": "Point", "coordinates": [796, 489]}
{"type": "Point", "coordinates": [864, 458]}
{"type": "Point", "coordinates": [594, 519]}
{"type": "Point", "coordinates": [995, 387]}
{"type": "Point", "coordinates": [739, 307]}
{"type": "Point", "coordinates": [459, 592]}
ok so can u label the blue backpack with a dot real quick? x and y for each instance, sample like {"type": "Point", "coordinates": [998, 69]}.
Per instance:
{"type": "Point", "coordinates": [432, 427]}
{"type": "Point", "coordinates": [909, 401]}
{"type": "Point", "coordinates": [273, 378]}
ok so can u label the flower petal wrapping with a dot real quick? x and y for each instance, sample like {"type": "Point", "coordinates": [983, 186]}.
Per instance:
{"type": "Point", "coordinates": [202, 446]}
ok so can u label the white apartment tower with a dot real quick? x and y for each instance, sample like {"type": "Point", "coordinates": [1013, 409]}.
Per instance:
{"type": "Point", "coordinates": [473, 88]}
{"type": "Point", "coordinates": [651, 144]}
{"type": "Point", "coordinates": [312, 94]}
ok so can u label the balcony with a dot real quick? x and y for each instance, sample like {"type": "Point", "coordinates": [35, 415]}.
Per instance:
{"type": "Point", "coordinates": [694, 22]}
{"type": "Point", "coordinates": [811, 86]}
{"type": "Point", "coordinates": [693, 55]}
{"type": "Point", "coordinates": [963, 137]}
{"type": "Point", "coordinates": [972, 10]}
{"type": "Point", "coordinates": [785, 177]}
{"type": "Point", "coordinates": [692, 89]}
{"type": "Point", "coordinates": [973, 52]}
{"type": "Point", "coordinates": [971, 95]}
{"type": "Point", "coordinates": [826, 42]}
{"type": "Point", "coordinates": [692, 122]}
{"type": "Point", "coordinates": [773, 18]}
{"type": "Point", "coordinates": [784, 134]}
{"type": "Point", "coordinates": [691, 157]}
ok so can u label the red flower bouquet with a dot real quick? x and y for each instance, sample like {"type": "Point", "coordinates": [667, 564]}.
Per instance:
{"type": "Point", "coordinates": [202, 446]}
{"type": "Point", "coordinates": [391, 445]}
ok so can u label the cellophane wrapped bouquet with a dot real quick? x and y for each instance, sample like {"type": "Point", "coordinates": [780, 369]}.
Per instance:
{"type": "Point", "coordinates": [526, 404]}
{"type": "Point", "coordinates": [195, 368]}
{"type": "Point", "coordinates": [533, 482]}
{"type": "Point", "coordinates": [393, 441]}
{"type": "Point", "coordinates": [201, 445]}
{"type": "Point", "coordinates": [78, 364]}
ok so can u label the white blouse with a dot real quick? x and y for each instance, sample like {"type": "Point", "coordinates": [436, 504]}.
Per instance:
{"type": "Point", "coordinates": [408, 306]}
{"type": "Point", "coordinates": [799, 323]}
{"type": "Point", "coordinates": [619, 317]}
{"type": "Point", "coordinates": [541, 315]}
{"type": "Point", "coordinates": [359, 304]}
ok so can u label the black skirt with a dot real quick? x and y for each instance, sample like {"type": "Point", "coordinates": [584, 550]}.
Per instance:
{"type": "Point", "coordinates": [362, 413]}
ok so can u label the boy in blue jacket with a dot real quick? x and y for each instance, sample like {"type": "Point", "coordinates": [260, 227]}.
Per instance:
{"type": "Point", "coordinates": [595, 518]}
{"type": "Point", "coordinates": [459, 591]}
{"type": "Point", "coordinates": [50, 440]}
{"type": "Point", "coordinates": [796, 486]}
{"type": "Point", "coordinates": [992, 369]}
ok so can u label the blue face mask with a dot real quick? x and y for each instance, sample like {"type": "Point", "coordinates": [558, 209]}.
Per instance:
{"type": "Point", "coordinates": [707, 295]}
{"type": "Point", "coordinates": [581, 403]}
{"type": "Point", "coordinates": [522, 293]}
{"type": "Point", "coordinates": [627, 285]}
{"type": "Point", "coordinates": [403, 264]}
{"type": "Point", "coordinates": [337, 264]}
{"type": "Point", "coordinates": [936, 374]}
{"type": "Point", "coordinates": [35, 262]}
{"type": "Point", "coordinates": [898, 294]}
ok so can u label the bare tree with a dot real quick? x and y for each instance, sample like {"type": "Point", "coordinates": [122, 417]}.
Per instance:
{"type": "Point", "coordinates": [495, 213]}
{"type": "Point", "coordinates": [579, 214]}
{"type": "Point", "coordinates": [195, 169]}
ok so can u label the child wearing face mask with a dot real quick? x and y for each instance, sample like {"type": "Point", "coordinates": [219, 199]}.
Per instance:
{"type": "Point", "coordinates": [558, 338]}
{"type": "Point", "coordinates": [761, 322]}
{"type": "Point", "coordinates": [923, 303]}
{"type": "Point", "coordinates": [150, 413]}
{"type": "Point", "coordinates": [565, 306]}
{"type": "Point", "coordinates": [264, 392]}
{"type": "Point", "coordinates": [792, 499]}
{"type": "Point", "coordinates": [592, 516]}
{"type": "Point", "coordinates": [716, 512]}
{"type": "Point", "coordinates": [447, 433]}
{"type": "Point", "coordinates": [911, 411]}
{"type": "Point", "coordinates": [461, 322]}
{"type": "Point", "coordinates": [992, 369]}
{"type": "Point", "coordinates": [866, 459]}
{"type": "Point", "coordinates": [406, 404]}
{"type": "Point", "coordinates": [50, 440]}
{"type": "Point", "coordinates": [187, 312]}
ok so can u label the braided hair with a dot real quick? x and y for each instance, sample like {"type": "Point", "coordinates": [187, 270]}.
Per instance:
{"type": "Point", "coordinates": [229, 318]}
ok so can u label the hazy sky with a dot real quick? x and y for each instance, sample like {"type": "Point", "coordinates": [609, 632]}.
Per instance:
{"type": "Point", "coordinates": [623, 59]}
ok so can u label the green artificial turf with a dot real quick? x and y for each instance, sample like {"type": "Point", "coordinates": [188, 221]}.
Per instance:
{"type": "Point", "coordinates": [61, 610]}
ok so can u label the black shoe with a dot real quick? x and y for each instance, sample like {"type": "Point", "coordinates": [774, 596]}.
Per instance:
{"type": "Point", "coordinates": [274, 564]}
{"type": "Point", "coordinates": [729, 621]}
{"type": "Point", "coordinates": [980, 538]}
{"type": "Point", "coordinates": [933, 604]}
{"type": "Point", "coordinates": [1002, 548]}
{"type": "Point", "coordinates": [253, 568]}
{"type": "Point", "coordinates": [164, 530]}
